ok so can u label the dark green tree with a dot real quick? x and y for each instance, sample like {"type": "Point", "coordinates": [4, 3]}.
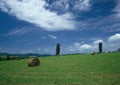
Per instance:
{"type": "Point", "coordinates": [100, 47]}
{"type": "Point", "coordinates": [58, 49]}
{"type": "Point", "coordinates": [8, 57]}
{"type": "Point", "coordinates": [118, 49]}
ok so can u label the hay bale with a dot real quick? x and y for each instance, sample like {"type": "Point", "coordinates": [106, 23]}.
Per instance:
{"type": "Point", "coordinates": [93, 53]}
{"type": "Point", "coordinates": [33, 62]}
{"type": "Point", "coordinates": [98, 52]}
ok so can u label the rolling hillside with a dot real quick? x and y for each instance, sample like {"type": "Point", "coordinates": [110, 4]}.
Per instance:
{"type": "Point", "coordinates": [79, 69]}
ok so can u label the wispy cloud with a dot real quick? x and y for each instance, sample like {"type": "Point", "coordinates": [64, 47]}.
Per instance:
{"type": "Point", "coordinates": [52, 36]}
{"type": "Point", "coordinates": [104, 24]}
{"type": "Point", "coordinates": [47, 15]}
{"type": "Point", "coordinates": [49, 36]}
{"type": "Point", "coordinates": [17, 31]}
{"type": "Point", "coordinates": [43, 14]}
{"type": "Point", "coordinates": [64, 6]}
{"type": "Point", "coordinates": [117, 8]}
{"type": "Point", "coordinates": [82, 5]}
{"type": "Point", "coordinates": [43, 37]}
{"type": "Point", "coordinates": [33, 11]}
{"type": "Point", "coordinates": [109, 23]}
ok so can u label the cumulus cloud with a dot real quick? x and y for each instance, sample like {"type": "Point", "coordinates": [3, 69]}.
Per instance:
{"type": "Point", "coordinates": [81, 47]}
{"type": "Point", "coordinates": [97, 41]}
{"type": "Point", "coordinates": [86, 46]}
{"type": "Point", "coordinates": [114, 38]}
{"type": "Point", "coordinates": [111, 44]}
{"type": "Point", "coordinates": [33, 11]}
{"type": "Point", "coordinates": [114, 42]}
{"type": "Point", "coordinates": [78, 47]}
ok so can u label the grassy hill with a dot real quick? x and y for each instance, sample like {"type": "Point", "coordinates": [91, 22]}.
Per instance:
{"type": "Point", "coordinates": [80, 69]}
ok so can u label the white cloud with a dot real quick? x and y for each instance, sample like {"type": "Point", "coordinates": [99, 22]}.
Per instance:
{"type": "Point", "coordinates": [114, 38]}
{"type": "Point", "coordinates": [97, 41]}
{"type": "Point", "coordinates": [2, 7]}
{"type": "Point", "coordinates": [52, 36]}
{"type": "Point", "coordinates": [86, 46]}
{"type": "Point", "coordinates": [113, 42]}
{"type": "Point", "coordinates": [33, 11]}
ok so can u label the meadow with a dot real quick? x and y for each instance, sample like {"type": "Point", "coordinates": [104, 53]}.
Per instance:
{"type": "Point", "coordinates": [78, 69]}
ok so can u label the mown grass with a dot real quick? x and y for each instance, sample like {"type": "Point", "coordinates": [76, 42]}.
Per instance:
{"type": "Point", "coordinates": [81, 69]}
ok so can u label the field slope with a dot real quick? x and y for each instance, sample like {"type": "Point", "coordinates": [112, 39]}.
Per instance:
{"type": "Point", "coordinates": [80, 69]}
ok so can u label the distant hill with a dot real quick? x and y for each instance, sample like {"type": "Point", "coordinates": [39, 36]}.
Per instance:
{"type": "Point", "coordinates": [25, 55]}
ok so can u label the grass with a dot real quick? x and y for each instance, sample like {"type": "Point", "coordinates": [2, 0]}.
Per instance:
{"type": "Point", "coordinates": [80, 69]}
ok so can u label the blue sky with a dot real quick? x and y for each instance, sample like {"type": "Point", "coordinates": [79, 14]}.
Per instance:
{"type": "Point", "coordinates": [36, 26]}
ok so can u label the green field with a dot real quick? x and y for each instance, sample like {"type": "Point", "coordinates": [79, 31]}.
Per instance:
{"type": "Point", "coordinates": [79, 69]}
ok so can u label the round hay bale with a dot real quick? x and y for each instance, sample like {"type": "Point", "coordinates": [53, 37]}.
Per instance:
{"type": "Point", "coordinates": [33, 62]}
{"type": "Point", "coordinates": [93, 53]}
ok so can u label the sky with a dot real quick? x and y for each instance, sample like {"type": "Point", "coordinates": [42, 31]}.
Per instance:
{"type": "Point", "coordinates": [36, 26]}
